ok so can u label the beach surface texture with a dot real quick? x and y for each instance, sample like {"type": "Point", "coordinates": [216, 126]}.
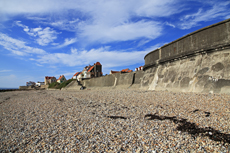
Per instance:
{"type": "Point", "coordinates": [114, 121]}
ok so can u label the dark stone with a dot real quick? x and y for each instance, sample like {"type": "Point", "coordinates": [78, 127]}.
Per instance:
{"type": "Point", "coordinates": [173, 78]}
{"type": "Point", "coordinates": [217, 67]}
{"type": "Point", "coordinates": [179, 78]}
{"type": "Point", "coordinates": [176, 84]}
{"type": "Point", "coordinates": [184, 82]}
{"type": "Point", "coordinates": [195, 70]}
{"type": "Point", "coordinates": [160, 76]}
{"type": "Point", "coordinates": [202, 71]}
{"type": "Point", "coordinates": [202, 80]}
{"type": "Point", "coordinates": [222, 82]}
{"type": "Point", "coordinates": [209, 86]}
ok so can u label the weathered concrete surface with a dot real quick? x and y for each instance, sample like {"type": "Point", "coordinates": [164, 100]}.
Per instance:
{"type": "Point", "coordinates": [104, 81]}
{"type": "Point", "coordinates": [207, 39]}
{"type": "Point", "coordinates": [208, 72]}
{"type": "Point", "coordinates": [123, 80]}
{"type": "Point", "coordinates": [72, 86]}
{"type": "Point", "coordinates": [197, 62]}
{"type": "Point", "coordinates": [112, 81]}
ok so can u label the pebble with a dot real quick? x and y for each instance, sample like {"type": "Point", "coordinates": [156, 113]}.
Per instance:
{"type": "Point", "coordinates": [114, 121]}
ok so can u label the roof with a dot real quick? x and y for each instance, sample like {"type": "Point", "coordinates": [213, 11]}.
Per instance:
{"type": "Point", "coordinates": [60, 77]}
{"type": "Point", "coordinates": [90, 69]}
{"type": "Point", "coordinates": [115, 71]}
{"type": "Point", "coordinates": [47, 77]}
{"type": "Point", "coordinates": [98, 63]}
{"type": "Point", "coordinates": [124, 70]}
{"type": "Point", "coordinates": [76, 74]}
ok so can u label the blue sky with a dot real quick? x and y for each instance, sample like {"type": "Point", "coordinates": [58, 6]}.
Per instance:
{"type": "Point", "coordinates": [55, 37]}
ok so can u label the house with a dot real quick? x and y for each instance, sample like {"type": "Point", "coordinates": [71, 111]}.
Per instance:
{"type": "Point", "coordinates": [75, 75]}
{"type": "Point", "coordinates": [139, 68]}
{"type": "Point", "coordinates": [30, 83]}
{"type": "Point", "coordinates": [49, 80]}
{"type": "Point", "coordinates": [90, 71]}
{"type": "Point", "coordinates": [94, 71]}
{"type": "Point", "coordinates": [40, 83]}
{"type": "Point", "coordinates": [61, 79]}
{"type": "Point", "coordinates": [122, 71]}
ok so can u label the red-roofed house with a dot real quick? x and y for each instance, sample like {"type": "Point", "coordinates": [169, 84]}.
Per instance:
{"type": "Point", "coordinates": [122, 71]}
{"type": "Point", "coordinates": [75, 75]}
{"type": "Point", "coordinates": [49, 80]}
{"type": "Point", "coordinates": [61, 79]}
{"type": "Point", "coordinates": [139, 68]}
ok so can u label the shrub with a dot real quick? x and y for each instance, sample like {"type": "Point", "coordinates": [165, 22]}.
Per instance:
{"type": "Point", "coordinates": [64, 84]}
{"type": "Point", "coordinates": [54, 85]}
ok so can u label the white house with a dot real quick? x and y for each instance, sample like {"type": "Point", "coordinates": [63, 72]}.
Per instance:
{"type": "Point", "coordinates": [40, 83]}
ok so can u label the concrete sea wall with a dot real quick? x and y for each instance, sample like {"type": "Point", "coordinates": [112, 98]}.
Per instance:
{"type": "Point", "coordinates": [198, 62]}
{"type": "Point", "coordinates": [115, 81]}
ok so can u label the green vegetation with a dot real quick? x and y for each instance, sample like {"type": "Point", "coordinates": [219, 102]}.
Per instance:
{"type": "Point", "coordinates": [57, 85]}
{"type": "Point", "coordinates": [54, 85]}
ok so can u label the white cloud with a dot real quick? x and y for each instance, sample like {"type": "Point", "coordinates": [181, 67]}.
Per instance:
{"type": "Point", "coordinates": [18, 47]}
{"type": "Point", "coordinates": [67, 42]}
{"type": "Point", "coordinates": [43, 36]}
{"type": "Point", "coordinates": [218, 10]}
{"type": "Point", "coordinates": [107, 58]}
{"type": "Point", "coordinates": [101, 20]}
{"type": "Point", "coordinates": [123, 32]}
{"type": "Point", "coordinates": [170, 24]}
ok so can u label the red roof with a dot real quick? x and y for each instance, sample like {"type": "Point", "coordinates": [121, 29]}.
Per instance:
{"type": "Point", "coordinates": [90, 69]}
{"type": "Point", "coordinates": [76, 74]}
{"type": "Point", "coordinates": [98, 63]}
{"type": "Point", "coordinates": [60, 77]}
{"type": "Point", "coordinates": [47, 77]}
{"type": "Point", "coordinates": [115, 71]}
{"type": "Point", "coordinates": [124, 70]}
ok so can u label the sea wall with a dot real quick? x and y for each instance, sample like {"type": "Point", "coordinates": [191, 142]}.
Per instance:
{"type": "Point", "coordinates": [115, 81]}
{"type": "Point", "coordinates": [197, 62]}
{"type": "Point", "coordinates": [208, 39]}
{"type": "Point", "coordinates": [209, 72]}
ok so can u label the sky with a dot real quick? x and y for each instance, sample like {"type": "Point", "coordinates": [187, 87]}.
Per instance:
{"type": "Point", "coordinates": [61, 37]}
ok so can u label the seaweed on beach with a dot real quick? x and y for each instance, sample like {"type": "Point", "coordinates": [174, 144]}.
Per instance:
{"type": "Point", "coordinates": [192, 128]}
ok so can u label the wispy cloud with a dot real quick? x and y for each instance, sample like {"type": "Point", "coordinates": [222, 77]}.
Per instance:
{"type": "Point", "coordinates": [18, 47]}
{"type": "Point", "coordinates": [122, 32]}
{"type": "Point", "coordinates": [170, 24]}
{"type": "Point", "coordinates": [217, 10]}
{"type": "Point", "coordinates": [1, 71]}
{"type": "Point", "coordinates": [107, 57]}
{"type": "Point", "coordinates": [43, 36]}
{"type": "Point", "coordinates": [98, 21]}
{"type": "Point", "coordinates": [68, 41]}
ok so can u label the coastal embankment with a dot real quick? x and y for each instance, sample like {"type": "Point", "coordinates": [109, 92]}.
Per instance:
{"type": "Point", "coordinates": [114, 121]}
{"type": "Point", "coordinates": [198, 62]}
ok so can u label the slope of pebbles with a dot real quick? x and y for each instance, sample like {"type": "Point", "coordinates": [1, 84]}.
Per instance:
{"type": "Point", "coordinates": [114, 121]}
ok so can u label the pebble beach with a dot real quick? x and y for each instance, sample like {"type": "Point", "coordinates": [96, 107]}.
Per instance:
{"type": "Point", "coordinates": [114, 121]}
